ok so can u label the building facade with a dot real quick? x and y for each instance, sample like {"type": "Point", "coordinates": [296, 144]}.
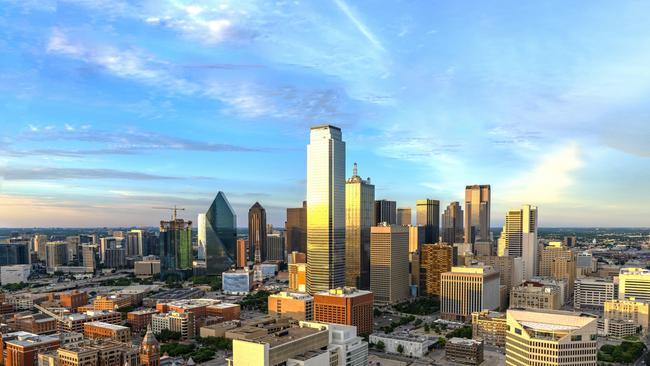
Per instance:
{"type": "Point", "coordinates": [435, 259]}
{"type": "Point", "coordinates": [295, 305]}
{"type": "Point", "coordinates": [389, 263]}
{"type": "Point", "coordinates": [348, 306]}
{"type": "Point", "coordinates": [404, 216]}
{"type": "Point", "coordinates": [452, 224]}
{"type": "Point", "coordinates": [359, 217]}
{"type": "Point", "coordinates": [519, 238]}
{"type": "Point", "coordinates": [295, 229]}
{"type": "Point", "coordinates": [385, 211]}
{"type": "Point", "coordinates": [326, 209]}
{"type": "Point", "coordinates": [427, 215]}
{"type": "Point", "coordinates": [220, 235]}
{"type": "Point", "coordinates": [468, 289]}
{"type": "Point", "coordinates": [257, 233]}
{"type": "Point", "coordinates": [477, 213]}
{"type": "Point", "coordinates": [175, 249]}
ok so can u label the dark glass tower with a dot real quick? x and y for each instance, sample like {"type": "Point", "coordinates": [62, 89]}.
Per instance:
{"type": "Point", "coordinates": [257, 233]}
{"type": "Point", "coordinates": [175, 249]}
{"type": "Point", "coordinates": [220, 235]}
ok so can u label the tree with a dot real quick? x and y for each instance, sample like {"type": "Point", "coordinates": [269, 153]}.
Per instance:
{"type": "Point", "coordinates": [167, 335]}
{"type": "Point", "coordinates": [400, 349]}
{"type": "Point", "coordinates": [381, 346]}
{"type": "Point", "coordinates": [426, 328]}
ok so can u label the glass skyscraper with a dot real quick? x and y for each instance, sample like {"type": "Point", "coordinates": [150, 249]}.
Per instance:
{"type": "Point", "coordinates": [325, 209]}
{"type": "Point", "coordinates": [359, 217]}
{"type": "Point", "coordinates": [477, 213]}
{"type": "Point", "coordinates": [257, 233]}
{"type": "Point", "coordinates": [427, 214]}
{"type": "Point", "coordinates": [220, 236]}
{"type": "Point", "coordinates": [175, 249]}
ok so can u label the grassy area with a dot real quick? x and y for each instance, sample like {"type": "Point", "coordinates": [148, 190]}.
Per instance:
{"type": "Point", "coordinates": [419, 306]}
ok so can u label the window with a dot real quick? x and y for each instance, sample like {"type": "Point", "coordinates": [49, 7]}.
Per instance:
{"type": "Point", "coordinates": [576, 338]}
{"type": "Point", "coordinates": [518, 331]}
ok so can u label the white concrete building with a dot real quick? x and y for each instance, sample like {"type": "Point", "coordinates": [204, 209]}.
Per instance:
{"type": "Point", "coordinates": [414, 346]}
{"type": "Point", "coordinates": [16, 273]}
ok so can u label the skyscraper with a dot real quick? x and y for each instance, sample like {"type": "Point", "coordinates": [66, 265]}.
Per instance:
{"type": "Point", "coordinates": [427, 214]}
{"type": "Point", "coordinates": [389, 263]}
{"type": "Point", "coordinates": [175, 248]}
{"type": "Point", "coordinates": [359, 217]}
{"type": "Point", "coordinates": [385, 211]}
{"type": "Point", "coordinates": [257, 233]}
{"type": "Point", "coordinates": [200, 236]}
{"type": "Point", "coordinates": [452, 224]}
{"type": "Point", "coordinates": [519, 238]}
{"type": "Point", "coordinates": [325, 209]}
{"type": "Point", "coordinates": [477, 213]}
{"type": "Point", "coordinates": [404, 216]}
{"type": "Point", "coordinates": [220, 236]}
{"type": "Point", "coordinates": [57, 254]}
{"type": "Point", "coordinates": [435, 259]}
{"type": "Point", "coordinates": [296, 229]}
{"type": "Point", "coordinates": [465, 290]}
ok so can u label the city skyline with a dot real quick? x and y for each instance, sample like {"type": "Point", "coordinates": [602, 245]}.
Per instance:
{"type": "Point", "coordinates": [111, 108]}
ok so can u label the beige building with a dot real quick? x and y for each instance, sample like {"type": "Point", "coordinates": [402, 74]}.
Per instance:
{"type": "Point", "coordinates": [147, 267]}
{"type": "Point", "coordinates": [298, 277]}
{"type": "Point", "coordinates": [558, 262]}
{"type": "Point", "coordinates": [510, 268]}
{"type": "Point", "coordinates": [389, 263]}
{"type": "Point", "coordinates": [468, 289]}
{"type": "Point", "coordinates": [295, 305]}
{"type": "Point", "coordinates": [416, 238]}
{"type": "Point", "coordinates": [519, 238]}
{"type": "Point", "coordinates": [634, 283]}
{"type": "Point", "coordinates": [183, 323]}
{"type": "Point", "coordinates": [548, 338]}
{"type": "Point", "coordinates": [637, 312]}
{"type": "Point", "coordinates": [359, 217]}
{"type": "Point", "coordinates": [490, 326]}
{"type": "Point", "coordinates": [91, 353]}
{"type": "Point", "coordinates": [534, 295]}
{"type": "Point", "coordinates": [592, 292]}
{"type": "Point", "coordinates": [435, 259]}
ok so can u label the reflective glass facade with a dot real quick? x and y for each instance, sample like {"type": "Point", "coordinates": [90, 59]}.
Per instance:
{"type": "Point", "coordinates": [175, 248]}
{"type": "Point", "coordinates": [325, 209]}
{"type": "Point", "coordinates": [220, 235]}
{"type": "Point", "coordinates": [359, 217]}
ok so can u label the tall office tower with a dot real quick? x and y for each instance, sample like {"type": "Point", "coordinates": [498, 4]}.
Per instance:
{"type": "Point", "coordinates": [14, 253]}
{"type": "Point", "coordinates": [570, 241]}
{"type": "Point", "coordinates": [257, 233]}
{"type": "Point", "coordinates": [435, 259]}
{"type": "Point", "coordinates": [359, 217]}
{"type": "Point", "coordinates": [220, 236]}
{"type": "Point", "coordinates": [465, 290]}
{"type": "Point", "coordinates": [553, 338]}
{"type": "Point", "coordinates": [295, 229]}
{"type": "Point", "coordinates": [452, 224]}
{"type": "Point", "coordinates": [519, 238]}
{"type": "Point", "coordinates": [175, 248]}
{"type": "Point", "coordinates": [201, 233]}
{"type": "Point", "coordinates": [427, 214]}
{"type": "Point", "coordinates": [404, 216]}
{"type": "Point", "coordinates": [385, 211]}
{"type": "Point", "coordinates": [241, 253]}
{"type": "Point", "coordinates": [73, 247]}
{"type": "Point", "coordinates": [39, 242]}
{"type": "Point", "coordinates": [274, 247]}
{"type": "Point", "coordinates": [634, 283]}
{"type": "Point", "coordinates": [416, 238]}
{"type": "Point", "coordinates": [325, 209]}
{"type": "Point", "coordinates": [57, 254]}
{"type": "Point", "coordinates": [389, 263]}
{"type": "Point", "coordinates": [149, 349]}
{"type": "Point", "coordinates": [135, 242]}
{"type": "Point", "coordinates": [477, 213]}
{"type": "Point", "coordinates": [151, 244]}
{"type": "Point", "coordinates": [89, 257]}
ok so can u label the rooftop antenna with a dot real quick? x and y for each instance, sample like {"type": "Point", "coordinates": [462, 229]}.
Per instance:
{"type": "Point", "coordinates": [354, 169]}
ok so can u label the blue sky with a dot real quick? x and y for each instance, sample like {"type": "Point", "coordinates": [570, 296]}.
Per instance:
{"type": "Point", "coordinates": [109, 108]}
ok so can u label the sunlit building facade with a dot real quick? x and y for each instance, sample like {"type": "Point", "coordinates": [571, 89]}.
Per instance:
{"type": "Point", "coordinates": [477, 213]}
{"type": "Point", "coordinates": [359, 217]}
{"type": "Point", "coordinates": [427, 214]}
{"type": "Point", "coordinates": [519, 238]}
{"type": "Point", "coordinates": [452, 224]}
{"type": "Point", "coordinates": [325, 209]}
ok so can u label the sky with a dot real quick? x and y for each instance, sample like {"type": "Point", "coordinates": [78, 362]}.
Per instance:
{"type": "Point", "coordinates": [111, 108]}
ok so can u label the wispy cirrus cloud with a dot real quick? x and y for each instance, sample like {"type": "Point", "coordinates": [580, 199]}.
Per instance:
{"type": "Point", "coordinates": [51, 173]}
{"type": "Point", "coordinates": [130, 141]}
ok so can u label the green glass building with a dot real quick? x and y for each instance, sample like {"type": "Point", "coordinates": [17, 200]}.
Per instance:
{"type": "Point", "coordinates": [175, 249]}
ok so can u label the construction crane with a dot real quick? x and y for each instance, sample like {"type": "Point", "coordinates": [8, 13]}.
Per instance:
{"type": "Point", "coordinates": [174, 209]}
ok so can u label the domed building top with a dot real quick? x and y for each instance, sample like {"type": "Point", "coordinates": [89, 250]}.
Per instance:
{"type": "Point", "coordinates": [149, 349]}
{"type": "Point", "coordinates": [149, 338]}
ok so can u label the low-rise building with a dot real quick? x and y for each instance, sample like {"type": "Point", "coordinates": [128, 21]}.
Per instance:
{"type": "Point", "coordinates": [17, 273]}
{"type": "Point", "coordinates": [295, 305]}
{"type": "Point", "coordinates": [592, 292]}
{"type": "Point", "coordinates": [73, 299]}
{"type": "Point", "coordinates": [225, 311]}
{"type": "Point", "coordinates": [140, 319]}
{"type": "Point", "coordinates": [91, 353]}
{"type": "Point", "coordinates": [183, 323]}
{"type": "Point", "coordinates": [99, 330]}
{"type": "Point", "coordinates": [491, 327]}
{"type": "Point", "coordinates": [347, 306]}
{"type": "Point", "coordinates": [34, 323]}
{"type": "Point", "coordinates": [464, 351]}
{"type": "Point", "coordinates": [147, 267]}
{"type": "Point", "coordinates": [619, 314]}
{"type": "Point", "coordinates": [237, 282]}
{"type": "Point", "coordinates": [75, 322]}
{"type": "Point", "coordinates": [298, 277]}
{"type": "Point", "coordinates": [534, 295]}
{"type": "Point", "coordinates": [22, 348]}
{"type": "Point", "coordinates": [413, 345]}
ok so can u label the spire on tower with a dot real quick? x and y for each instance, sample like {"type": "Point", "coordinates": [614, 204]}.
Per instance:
{"type": "Point", "coordinates": [354, 170]}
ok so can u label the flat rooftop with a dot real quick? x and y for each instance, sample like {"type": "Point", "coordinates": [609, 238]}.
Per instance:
{"type": "Point", "coordinates": [286, 336]}
{"type": "Point", "coordinates": [107, 325]}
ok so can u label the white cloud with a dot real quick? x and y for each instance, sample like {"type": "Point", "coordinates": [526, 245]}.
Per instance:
{"type": "Point", "coordinates": [363, 29]}
{"type": "Point", "coordinates": [548, 181]}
